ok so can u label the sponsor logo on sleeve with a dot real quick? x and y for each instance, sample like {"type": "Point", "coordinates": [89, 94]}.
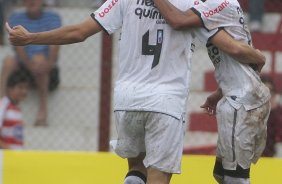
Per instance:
{"type": "Point", "coordinates": [217, 10]}
{"type": "Point", "coordinates": [108, 8]}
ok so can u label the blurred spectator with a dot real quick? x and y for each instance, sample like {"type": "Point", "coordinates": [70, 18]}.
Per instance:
{"type": "Point", "coordinates": [274, 124]}
{"type": "Point", "coordinates": [39, 61]}
{"type": "Point", "coordinates": [256, 11]}
{"type": "Point", "coordinates": [11, 123]}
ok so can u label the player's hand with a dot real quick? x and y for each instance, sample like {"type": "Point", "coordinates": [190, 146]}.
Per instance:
{"type": "Point", "coordinates": [209, 108]}
{"type": "Point", "coordinates": [210, 104]}
{"type": "Point", "coordinates": [18, 35]}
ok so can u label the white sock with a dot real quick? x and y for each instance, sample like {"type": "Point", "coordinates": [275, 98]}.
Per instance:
{"type": "Point", "coordinates": [133, 180]}
{"type": "Point", "coordinates": [231, 180]}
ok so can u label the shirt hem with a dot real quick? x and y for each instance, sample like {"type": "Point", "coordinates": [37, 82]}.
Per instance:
{"type": "Point", "coordinates": [175, 115]}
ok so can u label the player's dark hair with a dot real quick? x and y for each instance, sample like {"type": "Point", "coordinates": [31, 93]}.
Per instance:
{"type": "Point", "coordinates": [16, 78]}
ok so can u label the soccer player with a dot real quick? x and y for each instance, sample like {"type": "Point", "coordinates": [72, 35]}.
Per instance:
{"type": "Point", "coordinates": [242, 100]}
{"type": "Point", "coordinates": [152, 86]}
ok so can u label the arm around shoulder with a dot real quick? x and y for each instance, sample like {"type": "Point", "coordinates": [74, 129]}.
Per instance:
{"type": "Point", "coordinates": [240, 51]}
{"type": "Point", "coordinates": [176, 18]}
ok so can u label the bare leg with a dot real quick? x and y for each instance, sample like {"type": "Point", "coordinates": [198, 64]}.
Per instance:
{"type": "Point", "coordinates": [41, 77]}
{"type": "Point", "coordinates": [136, 170]}
{"type": "Point", "coordinates": [9, 66]}
{"type": "Point", "coordinates": [42, 82]}
{"type": "Point", "coordinates": [158, 177]}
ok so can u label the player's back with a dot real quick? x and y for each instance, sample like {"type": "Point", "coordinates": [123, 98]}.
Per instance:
{"type": "Point", "coordinates": [154, 66]}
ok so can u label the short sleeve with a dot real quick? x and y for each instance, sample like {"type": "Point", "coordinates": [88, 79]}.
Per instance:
{"type": "Point", "coordinates": [204, 35]}
{"type": "Point", "coordinates": [215, 13]}
{"type": "Point", "coordinates": [110, 15]}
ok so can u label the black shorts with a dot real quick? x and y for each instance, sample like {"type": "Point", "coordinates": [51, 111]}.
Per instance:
{"type": "Point", "coordinates": [54, 77]}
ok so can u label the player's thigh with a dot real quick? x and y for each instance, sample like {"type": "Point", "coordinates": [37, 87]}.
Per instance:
{"type": "Point", "coordinates": [164, 142]}
{"type": "Point", "coordinates": [226, 116]}
{"type": "Point", "coordinates": [252, 134]}
{"type": "Point", "coordinates": [131, 131]}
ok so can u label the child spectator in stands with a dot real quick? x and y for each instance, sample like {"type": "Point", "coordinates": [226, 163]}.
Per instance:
{"type": "Point", "coordinates": [39, 61]}
{"type": "Point", "coordinates": [256, 11]}
{"type": "Point", "coordinates": [274, 123]}
{"type": "Point", "coordinates": [11, 123]}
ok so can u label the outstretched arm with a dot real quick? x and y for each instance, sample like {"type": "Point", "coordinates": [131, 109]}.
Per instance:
{"type": "Point", "coordinates": [19, 36]}
{"type": "Point", "coordinates": [177, 18]}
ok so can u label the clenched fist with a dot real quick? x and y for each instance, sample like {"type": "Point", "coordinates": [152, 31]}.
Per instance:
{"type": "Point", "coordinates": [18, 35]}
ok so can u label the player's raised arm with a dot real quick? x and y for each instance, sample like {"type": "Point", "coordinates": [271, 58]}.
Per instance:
{"type": "Point", "coordinates": [177, 18]}
{"type": "Point", "coordinates": [19, 36]}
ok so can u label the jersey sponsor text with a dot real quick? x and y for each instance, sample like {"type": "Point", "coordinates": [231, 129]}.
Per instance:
{"type": "Point", "coordinates": [218, 9]}
{"type": "Point", "coordinates": [150, 11]}
{"type": "Point", "coordinates": [107, 9]}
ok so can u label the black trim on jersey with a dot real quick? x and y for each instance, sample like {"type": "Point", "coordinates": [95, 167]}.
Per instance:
{"type": "Point", "coordinates": [209, 40]}
{"type": "Point", "coordinates": [93, 17]}
{"type": "Point", "coordinates": [137, 174]}
{"type": "Point", "coordinates": [199, 15]}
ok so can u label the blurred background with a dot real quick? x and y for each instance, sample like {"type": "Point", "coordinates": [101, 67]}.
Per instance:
{"type": "Point", "coordinates": [79, 114]}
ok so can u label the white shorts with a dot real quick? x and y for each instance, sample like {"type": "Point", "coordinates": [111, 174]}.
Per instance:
{"type": "Point", "coordinates": [158, 135]}
{"type": "Point", "coordinates": [241, 134]}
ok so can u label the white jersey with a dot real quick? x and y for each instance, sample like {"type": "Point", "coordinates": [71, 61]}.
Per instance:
{"type": "Point", "coordinates": [154, 59]}
{"type": "Point", "coordinates": [235, 79]}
